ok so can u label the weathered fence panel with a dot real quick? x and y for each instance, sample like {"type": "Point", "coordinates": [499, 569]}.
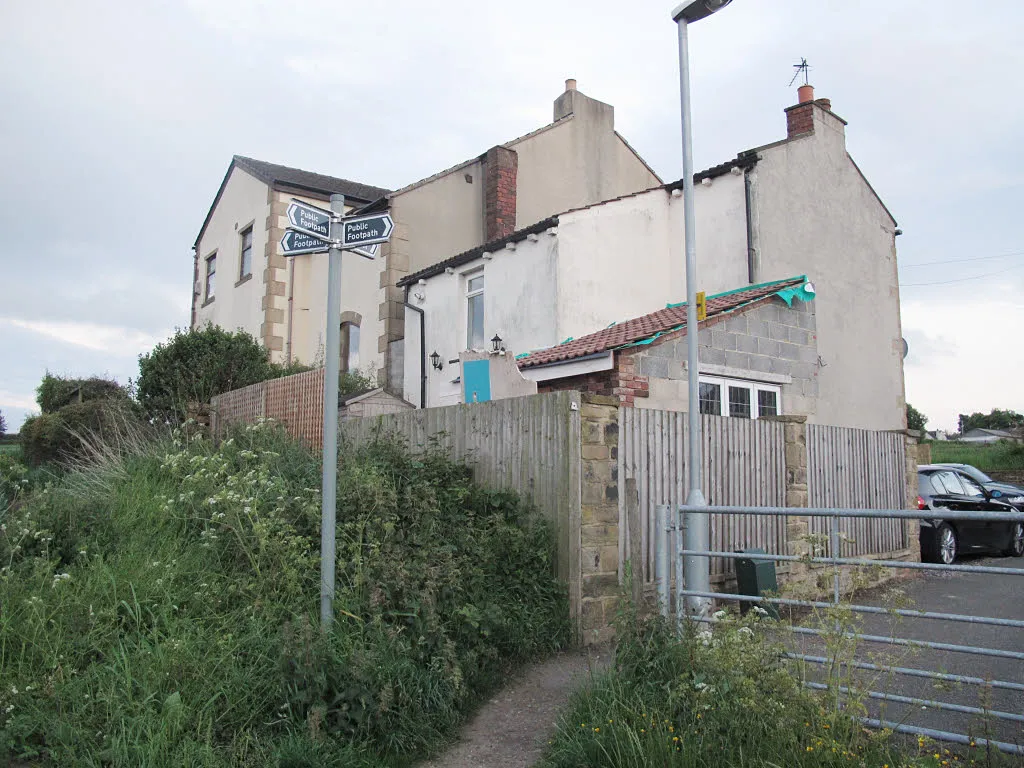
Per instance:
{"type": "Point", "coordinates": [295, 401]}
{"type": "Point", "coordinates": [743, 465]}
{"type": "Point", "coordinates": [527, 444]}
{"type": "Point", "coordinates": [858, 469]}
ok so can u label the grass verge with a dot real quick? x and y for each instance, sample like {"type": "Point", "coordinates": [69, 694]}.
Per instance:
{"type": "Point", "coordinates": [721, 696]}
{"type": "Point", "coordinates": [1004, 455]}
{"type": "Point", "coordinates": [160, 608]}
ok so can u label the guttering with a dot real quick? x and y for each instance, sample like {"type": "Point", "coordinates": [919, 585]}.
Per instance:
{"type": "Point", "coordinates": [423, 347]}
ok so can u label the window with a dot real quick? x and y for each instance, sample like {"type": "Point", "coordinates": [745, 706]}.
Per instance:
{"type": "Point", "coordinates": [245, 262]}
{"type": "Point", "coordinates": [710, 399]}
{"type": "Point", "coordinates": [475, 311]}
{"type": "Point", "coordinates": [949, 483]}
{"type": "Point", "coordinates": [971, 487]}
{"type": "Point", "coordinates": [211, 273]}
{"type": "Point", "coordinates": [767, 403]}
{"type": "Point", "coordinates": [739, 402]}
{"type": "Point", "coordinates": [349, 347]}
{"type": "Point", "coordinates": [739, 398]}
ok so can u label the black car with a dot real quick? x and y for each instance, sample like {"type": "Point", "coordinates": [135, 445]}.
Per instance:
{"type": "Point", "coordinates": [943, 487]}
{"type": "Point", "coordinates": [1011, 493]}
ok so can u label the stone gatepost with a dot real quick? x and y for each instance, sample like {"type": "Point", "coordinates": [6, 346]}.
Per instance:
{"type": "Point", "coordinates": [797, 528]}
{"type": "Point", "coordinates": [599, 518]}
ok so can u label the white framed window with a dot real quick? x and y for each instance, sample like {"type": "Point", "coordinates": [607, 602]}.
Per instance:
{"type": "Point", "coordinates": [211, 275]}
{"type": "Point", "coordinates": [738, 398]}
{"type": "Point", "coordinates": [475, 310]}
{"type": "Point", "coordinates": [245, 259]}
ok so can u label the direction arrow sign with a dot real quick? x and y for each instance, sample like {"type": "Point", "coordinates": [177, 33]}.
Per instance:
{"type": "Point", "coordinates": [293, 243]}
{"type": "Point", "coordinates": [309, 219]}
{"type": "Point", "coordinates": [367, 252]}
{"type": "Point", "coordinates": [365, 230]}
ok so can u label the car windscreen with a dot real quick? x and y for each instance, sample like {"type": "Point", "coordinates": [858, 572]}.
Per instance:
{"type": "Point", "coordinates": [977, 474]}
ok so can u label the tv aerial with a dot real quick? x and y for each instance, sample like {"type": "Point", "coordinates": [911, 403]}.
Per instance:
{"type": "Point", "coordinates": [803, 68]}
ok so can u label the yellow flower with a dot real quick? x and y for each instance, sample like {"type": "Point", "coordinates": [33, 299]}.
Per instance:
{"type": "Point", "coordinates": [610, 722]}
{"type": "Point", "coordinates": [810, 749]}
{"type": "Point", "coordinates": [597, 730]}
{"type": "Point", "coordinates": [671, 729]}
{"type": "Point", "coordinates": [675, 738]}
{"type": "Point", "coordinates": [826, 726]}
{"type": "Point", "coordinates": [936, 755]}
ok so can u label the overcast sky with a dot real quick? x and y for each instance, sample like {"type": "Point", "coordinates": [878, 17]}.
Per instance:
{"type": "Point", "coordinates": [118, 119]}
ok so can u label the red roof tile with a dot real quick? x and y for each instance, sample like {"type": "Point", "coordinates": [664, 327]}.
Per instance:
{"type": "Point", "coordinates": [641, 328]}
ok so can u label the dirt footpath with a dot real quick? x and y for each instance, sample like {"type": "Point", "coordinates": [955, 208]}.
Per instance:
{"type": "Point", "coordinates": [512, 729]}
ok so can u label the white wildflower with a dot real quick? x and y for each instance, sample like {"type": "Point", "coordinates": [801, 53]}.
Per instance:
{"type": "Point", "coordinates": [719, 615]}
{"type": "Point", "coordinates": [759, 610]}
{"type": "Point", "coordinates": [746, 631]}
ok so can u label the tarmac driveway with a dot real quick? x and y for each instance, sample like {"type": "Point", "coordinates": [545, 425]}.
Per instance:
{"type": "Point", "coordinates": [973, 594]}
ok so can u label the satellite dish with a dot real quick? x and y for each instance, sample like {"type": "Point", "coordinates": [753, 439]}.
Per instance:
{"type": "Point", "coordinates": [906, 348]}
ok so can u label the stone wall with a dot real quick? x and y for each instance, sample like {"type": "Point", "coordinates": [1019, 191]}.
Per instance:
{"type": "Point", "coordinates": [599, 519]}
{"type": "Point", "coordinates": [1015, 476]}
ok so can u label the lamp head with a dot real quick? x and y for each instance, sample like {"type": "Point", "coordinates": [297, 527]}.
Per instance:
{"type": "Point", "coordinates": [695, 10]}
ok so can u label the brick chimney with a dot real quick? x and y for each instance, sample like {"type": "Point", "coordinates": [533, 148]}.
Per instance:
{"type": "Point", "coordinates": [500, 168]}
{"type": "Point", "coordinates": [800, 117]}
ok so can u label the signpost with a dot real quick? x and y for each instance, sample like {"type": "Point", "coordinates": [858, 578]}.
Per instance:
{"type": "Point", "coordinates": [304, 217]}
{"type": "Point", "coordinates": [315, 230]}
{"type": "Point", "coordinates": [294, 243]}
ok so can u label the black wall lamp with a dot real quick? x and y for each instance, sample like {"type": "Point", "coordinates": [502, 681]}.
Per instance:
{"type": "Point", "coordinates": [435, 360]}
{"type": "Point", "coordinates": [496, 344]}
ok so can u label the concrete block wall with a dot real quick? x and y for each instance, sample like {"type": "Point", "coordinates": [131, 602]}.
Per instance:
{"type": "Point", "coordinates": [599, 518]}
{"type": "Point", "coordinates": [770, 342]}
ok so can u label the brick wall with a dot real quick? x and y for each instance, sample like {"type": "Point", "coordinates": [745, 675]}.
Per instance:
{"type": "Point", "coordinates": [500, 172]}
{"type": "Point", "coordinates": [622, 383]}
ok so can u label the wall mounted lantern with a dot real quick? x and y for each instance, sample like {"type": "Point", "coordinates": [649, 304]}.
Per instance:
{"type": "Point", "coordinates": [435, 360]}
{"type": "Point", "coordinates": [496, 344]}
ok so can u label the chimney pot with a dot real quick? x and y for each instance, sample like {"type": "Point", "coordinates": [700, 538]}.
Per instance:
{"type": "Point", "coordinates": [570, 84]}
{"type": "Point", "coordinates": [805, 93]}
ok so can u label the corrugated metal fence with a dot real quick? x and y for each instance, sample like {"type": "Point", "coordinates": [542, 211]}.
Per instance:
{"type": "Point", "coordinates": [296, 401]}
{"type": "Point", "coordinates": [858, 469]}
{"type": "Point", "coordinates": [744, 464]}
{"type": "Point", "coordinates": [527, 444]}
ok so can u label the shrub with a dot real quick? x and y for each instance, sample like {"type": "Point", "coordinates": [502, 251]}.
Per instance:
{"type": "Point", "coordinates": [3, 425]}
{"type": "Point", "coordinates": [160, 611]}
{"type": "Point", "coordinates": [55, 392]}
{"type": "Point", "coordinates": [65, 436]}
{"type": "Point", "coordinates": [194, 366]}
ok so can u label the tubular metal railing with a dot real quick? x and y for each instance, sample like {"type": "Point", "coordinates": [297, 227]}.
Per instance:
{"type": "Point", "coordinates": [668, 536]}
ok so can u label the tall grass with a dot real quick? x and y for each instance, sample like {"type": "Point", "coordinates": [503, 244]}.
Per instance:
{"type": "Point", "coordinates": [721, 696]}
{"type": "Point", "coordinates": [987, 457]}
{"type": "Point", "coordinates": [158, 607]}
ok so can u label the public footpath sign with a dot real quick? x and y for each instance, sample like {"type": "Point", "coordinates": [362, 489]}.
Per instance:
{"type": "Point", "coordinates": [294, 243]}
{"type": "Point", "coordinates": [359, 231]}
{"type": "Point", "coordinates": [310, 219]}
{"type": "Point", "coordinates": [314, 230]}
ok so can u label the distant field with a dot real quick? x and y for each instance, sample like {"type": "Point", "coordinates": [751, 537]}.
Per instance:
{"type": "Point", "coordinates": [9, 448]}
{"type": "Point", "coordinates": [994, 456]}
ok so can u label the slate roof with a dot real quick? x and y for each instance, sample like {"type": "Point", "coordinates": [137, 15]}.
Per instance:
{"type": "Point", "coordinates": [271, 173]}
{"type": "Point", "coordinates": [671, 318]}
{"type": "Point", "coordinates": [295, 178]}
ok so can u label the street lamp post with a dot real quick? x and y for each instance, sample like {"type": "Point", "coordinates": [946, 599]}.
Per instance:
{"type": "Point", "coordinates": [697, 569]}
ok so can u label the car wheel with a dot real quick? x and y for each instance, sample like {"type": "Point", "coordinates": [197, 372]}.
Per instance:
{"type": "Point", "coordinates": [946, 544]}
{"type": "Point", "coordinates": [1016, 545]}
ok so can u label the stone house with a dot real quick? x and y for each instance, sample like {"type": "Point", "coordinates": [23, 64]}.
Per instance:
{"type": "Point", "coordinates": [576, 160]}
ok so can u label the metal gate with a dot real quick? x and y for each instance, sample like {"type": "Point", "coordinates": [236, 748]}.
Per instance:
{"type": "Point", "coordinates": [992, 672]}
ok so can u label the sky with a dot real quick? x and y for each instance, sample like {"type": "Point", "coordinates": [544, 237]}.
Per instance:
{"type": "Point", "coordinates": [118, 120]}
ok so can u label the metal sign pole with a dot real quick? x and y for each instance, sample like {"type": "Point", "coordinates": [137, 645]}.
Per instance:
{"type": "Point", "coordinates": [329, 488]}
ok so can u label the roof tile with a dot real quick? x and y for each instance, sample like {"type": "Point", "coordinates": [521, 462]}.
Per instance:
{"type": "Point", "coordinates": [672, 318]}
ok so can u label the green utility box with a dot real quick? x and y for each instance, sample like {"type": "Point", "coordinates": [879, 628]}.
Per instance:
{"type": "Point", "coordinates": [756, 576]}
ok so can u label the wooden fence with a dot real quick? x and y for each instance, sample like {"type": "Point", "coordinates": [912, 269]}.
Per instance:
{"type": "Point", "coordinates": [527, 444]}
{"type": "Point", "coordinates": [295, 401]}
{"type": "Point", "coordinates": [850, 468]}
{"type": "Point", "coordinates": [744, 464]}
